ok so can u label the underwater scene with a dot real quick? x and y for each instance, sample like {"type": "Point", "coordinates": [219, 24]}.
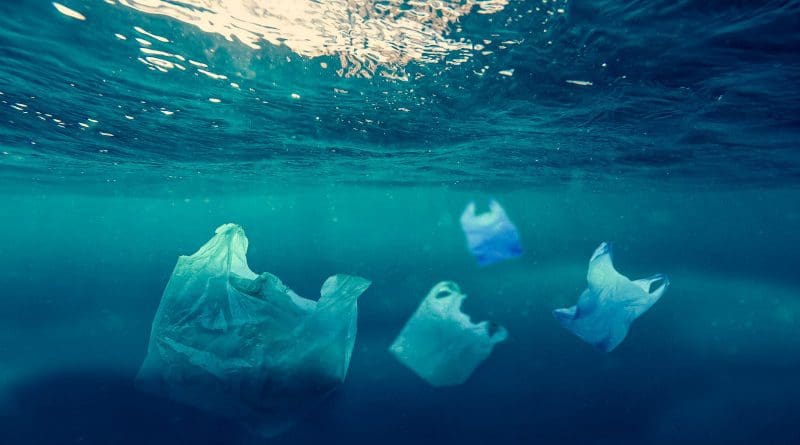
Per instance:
{"type": "Point", "coordinates": [399, 222]}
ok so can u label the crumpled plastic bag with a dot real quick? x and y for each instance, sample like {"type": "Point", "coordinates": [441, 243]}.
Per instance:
{"type": "Point", "coordinates": [606, 309]}
{"type": "Point", "coordinates": [491, 236]}
{"type": "Point", "coordinates": [244, 346]}
{"type": "Point", "coordinates": [440, 343]}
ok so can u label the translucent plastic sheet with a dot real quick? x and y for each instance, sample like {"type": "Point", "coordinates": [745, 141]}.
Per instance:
{"type": "Point", "coordinates": [491, 236]}
{"type": "Point", "coordinates": [606, 309]}
{"type": "Point", "coordinates": [245, 346]}
{"type": "Point", "coordinates": [440, 343]}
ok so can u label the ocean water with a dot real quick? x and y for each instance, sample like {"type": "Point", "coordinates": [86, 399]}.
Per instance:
{"type": "Point", "coordinates": [347, 137]}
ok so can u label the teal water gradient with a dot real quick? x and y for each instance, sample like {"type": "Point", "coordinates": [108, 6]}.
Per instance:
{"type": "Point", "coordinates": [713, 361]}
{"type": "Point", "coordinates": [667, 127]}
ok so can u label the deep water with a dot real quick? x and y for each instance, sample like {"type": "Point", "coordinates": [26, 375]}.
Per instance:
{"type": "Point", "coordinates": [715, 361]}
{"type": "Point", "coordinates": [669, 128]}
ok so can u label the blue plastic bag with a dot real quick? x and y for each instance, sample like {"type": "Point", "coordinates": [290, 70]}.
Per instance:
{"type": "Point", "coordinates": [611, 303]}
{"type": "Point", "coordinates": [491, 236]}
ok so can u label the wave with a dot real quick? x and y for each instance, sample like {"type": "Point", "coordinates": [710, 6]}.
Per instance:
{"type": "Point", "coordinates": [457, 92]}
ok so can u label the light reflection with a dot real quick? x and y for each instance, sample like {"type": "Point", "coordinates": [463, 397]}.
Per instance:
{"type": "Point", "coordinates": [71, 13]}
{"type": "Point", "coordinates": [583, 83]}
{"type": "Point", "coordinates": [153, 52]}
{"type": "Point", "coordinates": [214, 76]}
{"type": "Point", "coordinates": [151, 35]}
{"type": "Point", "coordinates": [368, 37]}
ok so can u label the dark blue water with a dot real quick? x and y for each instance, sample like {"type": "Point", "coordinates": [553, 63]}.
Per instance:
{"type": "Point", "coordinates": [347, 137]}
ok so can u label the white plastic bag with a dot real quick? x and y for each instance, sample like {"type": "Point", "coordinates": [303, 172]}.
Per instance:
{"type": "Point", "coordinates": [244, 346]}
{"type": "Point", "coordinates": [440, 343]}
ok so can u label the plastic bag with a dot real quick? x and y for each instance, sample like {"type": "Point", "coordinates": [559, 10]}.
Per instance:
{"type": "Point", "coordinates": [607, 308]}
{"type": "Point", "coordinates": [440, 343]}
{"type": "Point", "coordinates": [244, 346]}
{"type": "Point", "coordinates": [491, 236]}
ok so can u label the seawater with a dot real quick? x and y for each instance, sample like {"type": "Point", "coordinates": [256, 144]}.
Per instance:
{"type": "Point", "coordinates": [678, 144]}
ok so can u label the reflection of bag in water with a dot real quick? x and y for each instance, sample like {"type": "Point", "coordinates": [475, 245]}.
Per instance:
{"type": "Point", "coordinates": [245, 346]}
{"type": "Point", "coordinates": [440, 343]}
{"type": "Point", "coordinates": [606, 309]}
{"type": "Point", "coordinates": [491, 236]}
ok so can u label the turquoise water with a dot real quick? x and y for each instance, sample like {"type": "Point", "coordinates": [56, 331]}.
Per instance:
{"type": "Point", "coordinates": [667, 128]}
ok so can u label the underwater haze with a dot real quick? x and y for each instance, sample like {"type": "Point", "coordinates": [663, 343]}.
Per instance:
{"type": "Point", "coordinates": [347, 137]}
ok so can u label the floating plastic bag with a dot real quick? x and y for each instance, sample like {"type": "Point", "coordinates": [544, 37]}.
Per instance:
{"type": "Point", "coordinates": [245, 346]}
{"type": "Point", "coordinates": [440, 343]}
{"type": "Point", "coordinates": [491, 236]}
{"type": "Point", "coordinates": [607, 308]}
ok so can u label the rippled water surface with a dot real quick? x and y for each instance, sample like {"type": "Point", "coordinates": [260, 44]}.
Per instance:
{"type": "Point", "coordinates": [447, 92]}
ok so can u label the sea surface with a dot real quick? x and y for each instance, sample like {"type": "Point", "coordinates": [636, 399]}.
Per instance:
{"type": "Point", "coordinates": [347, 136]}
